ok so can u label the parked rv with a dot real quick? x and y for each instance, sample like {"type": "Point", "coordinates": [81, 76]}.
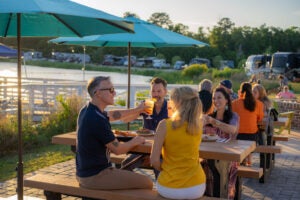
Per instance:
{"type": "Point", "coordinates": [256, 64]}
{"type": "Point", "coordinates": [200, 61]}
{"type": "Point", "coordinates": [286, 63]}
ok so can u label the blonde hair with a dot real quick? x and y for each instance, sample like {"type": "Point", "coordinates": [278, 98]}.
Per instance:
{"type": "Point", "coordinates": [188, 108]}
{"type": "Point", "coordinates": [262, 95]}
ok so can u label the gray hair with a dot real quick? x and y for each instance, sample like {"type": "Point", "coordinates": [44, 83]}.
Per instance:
{"type": "Point", "coordinates": [206, 84]}
{"type": "Point", "coordinates": [94, 83]}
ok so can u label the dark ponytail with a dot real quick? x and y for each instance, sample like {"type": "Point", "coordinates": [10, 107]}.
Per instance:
{"type": "Point", "coordinates": [249, 101]}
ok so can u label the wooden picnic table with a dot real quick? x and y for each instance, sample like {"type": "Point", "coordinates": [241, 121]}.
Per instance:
{"type": "Point", "coordinates": [280, 122]}
{"type": "Point", "coordinates": [234, 150]}
{"type": "Point", "coordinates": [220, 155]}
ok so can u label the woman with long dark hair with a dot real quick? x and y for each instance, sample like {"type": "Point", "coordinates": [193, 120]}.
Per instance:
{"type": "Point", "coordinates": [225, 123]}
{"type": "Point", "coordinates": [250, 112]}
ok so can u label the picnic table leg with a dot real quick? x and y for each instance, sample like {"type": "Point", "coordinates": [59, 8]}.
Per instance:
{"type": "Point", "coordinates": [52, 195]}
{"type": "Point", "coordinates": [220, 170]}
{"type": "Point", "coordinates": [273, 156]}
{"type": "Point", "coordinates": [238, 188]}
{"type": "Point", "coordinates": [269, 156]}
{"type": "Point", "coordinates": [263, 164]}
{"type": "Point", "coordinates": [73, 148]}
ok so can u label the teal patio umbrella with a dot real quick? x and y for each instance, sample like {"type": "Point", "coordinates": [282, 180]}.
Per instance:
{"type": "Point", "coordinates": [51, 18]}
{"type": "Point", "coordinates": [145, 35]}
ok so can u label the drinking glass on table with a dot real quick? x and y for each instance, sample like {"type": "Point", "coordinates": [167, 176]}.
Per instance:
{"type": "Point", "coordinates": [150, 106]}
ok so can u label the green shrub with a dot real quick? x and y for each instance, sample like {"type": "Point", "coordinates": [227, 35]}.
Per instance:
{"type": "Point", "coordinates": [65, 119]}
{"type": "Point", "coordinates": [9, 136]}
{"type": "Point", "coordinates": [226, 73]}
{"type": "Point", "coordinates": [194, 70]}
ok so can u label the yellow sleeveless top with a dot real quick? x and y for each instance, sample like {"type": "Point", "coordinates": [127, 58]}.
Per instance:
{"type": "Point", "coordinates": [180, 165]}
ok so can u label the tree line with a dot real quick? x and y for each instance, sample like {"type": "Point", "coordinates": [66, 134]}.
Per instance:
{"type": "Point", "coordinates": [227, 42]}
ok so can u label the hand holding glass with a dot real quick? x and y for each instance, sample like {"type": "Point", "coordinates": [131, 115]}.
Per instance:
{"type": "Point", "coordinates": [150, 106]}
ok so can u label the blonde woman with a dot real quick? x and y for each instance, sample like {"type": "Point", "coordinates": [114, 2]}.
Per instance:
{"type": "Point", "coordinates": [260, 94]}
{"type": "Point", "coordinates": [178, 140]}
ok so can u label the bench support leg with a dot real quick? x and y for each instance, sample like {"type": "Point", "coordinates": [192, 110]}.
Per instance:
{"type": "Point", "coordinates": [52, 195]}
{"type": "Point", "coordinates": [273, 156]}
{"type": "Point", "coordinates": [238, 188]}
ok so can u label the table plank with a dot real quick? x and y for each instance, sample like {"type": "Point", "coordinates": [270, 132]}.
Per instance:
{"type": "Point", "coordinates": [236, 150]}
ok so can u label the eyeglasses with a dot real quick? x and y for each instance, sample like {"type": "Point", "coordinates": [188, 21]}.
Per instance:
{"type": "Point", "coordinates": [111, 90]}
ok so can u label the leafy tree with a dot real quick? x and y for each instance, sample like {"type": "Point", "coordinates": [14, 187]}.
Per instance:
{"type": "Point", "coordinates": [161, 19]}
{"type": "Point", "coordinates": [220, 36]}
{"type": "Point", "coordinates": [201, 35]}
{"type": "Point", "coordinates": [130, 14]}
{"type": "Point", "coordinates": [179, 28]}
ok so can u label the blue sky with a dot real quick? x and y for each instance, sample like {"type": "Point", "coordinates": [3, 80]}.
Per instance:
{"type": "Point", "coordinates": [206, 13]}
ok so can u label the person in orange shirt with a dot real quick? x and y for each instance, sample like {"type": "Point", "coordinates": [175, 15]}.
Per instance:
{"type": "Point", "coordinates": [250, 112]}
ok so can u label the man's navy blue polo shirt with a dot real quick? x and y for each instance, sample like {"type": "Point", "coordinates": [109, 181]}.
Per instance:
{"type": "Point", "coordinates": [93, 133]}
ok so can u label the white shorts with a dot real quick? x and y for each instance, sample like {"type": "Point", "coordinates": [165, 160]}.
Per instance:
{"type": "Point", "coordinates": [181, 193]}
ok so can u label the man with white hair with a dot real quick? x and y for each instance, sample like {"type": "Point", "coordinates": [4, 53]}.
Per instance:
{"type": "Point", "coordinates": [95, 141]}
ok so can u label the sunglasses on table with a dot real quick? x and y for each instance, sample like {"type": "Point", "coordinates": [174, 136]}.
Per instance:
{"type": "Point", "coordinates": [111, 90]}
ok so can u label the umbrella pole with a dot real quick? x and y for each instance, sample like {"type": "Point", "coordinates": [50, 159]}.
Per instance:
{"type": "Point", "coordinates": [20, 143]}
{"type": "Point", "coordinates": [128, 74]}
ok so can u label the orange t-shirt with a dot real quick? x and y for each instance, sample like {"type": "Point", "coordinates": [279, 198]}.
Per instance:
{"type": "Point", "coordinates": [248, 120]}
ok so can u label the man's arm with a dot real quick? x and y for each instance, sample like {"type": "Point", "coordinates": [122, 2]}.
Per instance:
{"type": "Point", "coordinates": [117, 147]}
{"type": "Point", "coordinates": [126, 115]}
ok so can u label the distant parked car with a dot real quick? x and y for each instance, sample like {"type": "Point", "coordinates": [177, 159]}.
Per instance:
{"type": "Point", "coordinates": [119, 61]}
{"type": "Point", "coordinates": [160, 63]}
{"type": "Point", "coordinates": [179, 64]}
{"type": "Point", "coordinates": [226, 63]}
{"type": "Point", "coordinates": [108, 61]}
{"type": "Point", "coordinates": [132, 60]}
{"type": "Point", "coordinates": [200, 61]}
{"type": "Point", "coordinates": [140, 63]}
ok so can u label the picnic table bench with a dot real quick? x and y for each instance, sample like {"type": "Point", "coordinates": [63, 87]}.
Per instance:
{"type": "Point", "coordinates": [56, 185]}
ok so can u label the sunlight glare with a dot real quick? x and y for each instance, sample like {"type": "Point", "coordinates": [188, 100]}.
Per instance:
{"type": "Point", "coordinates": [8, 73]}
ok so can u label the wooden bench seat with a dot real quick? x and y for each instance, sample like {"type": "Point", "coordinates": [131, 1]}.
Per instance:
{"type": "Point", "coordinates": [267, 159]}
{"type": "Point", "coordinates": [56, 185]}
{"type": "Point", "coordinates": [246, 172]}
{"type": "Point", "coordinates": [267, 149]}
{"type": "Point", "coordinates": [249, 172]}
{"type": "Point", "coordinates": [280, 138]}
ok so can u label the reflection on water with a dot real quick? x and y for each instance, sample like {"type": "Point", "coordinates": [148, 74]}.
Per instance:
{"type": "Point", "coordinates": [28, 71]}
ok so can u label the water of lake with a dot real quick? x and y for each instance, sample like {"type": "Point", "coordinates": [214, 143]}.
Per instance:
{"type": "Point", "coordinates": [28, 71]}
